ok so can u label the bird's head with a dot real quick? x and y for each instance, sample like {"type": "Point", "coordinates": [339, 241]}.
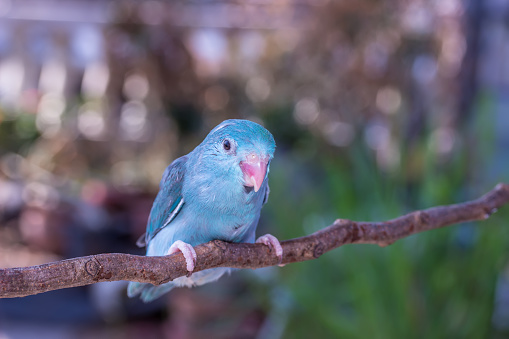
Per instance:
{"type": "Point", "coordinates": [240, 148]}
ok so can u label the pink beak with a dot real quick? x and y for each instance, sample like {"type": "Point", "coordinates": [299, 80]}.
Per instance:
{"type": "Point", "coordinates": [254, 169]}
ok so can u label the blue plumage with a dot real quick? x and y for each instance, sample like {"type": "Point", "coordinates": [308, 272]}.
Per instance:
{"type": "Point", "coordinates": [214, 192]}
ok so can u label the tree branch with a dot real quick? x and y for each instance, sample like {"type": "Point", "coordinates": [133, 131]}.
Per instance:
{"type": "Point", "coordinates": [19, 282]}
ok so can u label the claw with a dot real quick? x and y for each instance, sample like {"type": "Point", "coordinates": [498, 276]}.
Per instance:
{"type": "Point", "coordinates": [273, 243]}
{"type": "Point", "coordinates": [188, 252]}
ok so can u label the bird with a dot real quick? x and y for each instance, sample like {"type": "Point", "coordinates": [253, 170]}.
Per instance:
{"type": "Point", "coordinates": [214, 192]}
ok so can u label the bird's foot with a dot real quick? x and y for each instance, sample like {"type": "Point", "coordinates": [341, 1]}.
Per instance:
{"type": "Point", "coordinates": [188, 252]}
{"type": "Point", "coordinates": [273, 243]}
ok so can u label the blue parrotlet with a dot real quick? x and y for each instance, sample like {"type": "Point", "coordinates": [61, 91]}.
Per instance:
{"type": "Point", "coordinates": [214, 192]}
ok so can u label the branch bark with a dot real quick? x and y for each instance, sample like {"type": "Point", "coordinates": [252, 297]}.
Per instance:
{"type": "Point", "coordinates": [23, 281]}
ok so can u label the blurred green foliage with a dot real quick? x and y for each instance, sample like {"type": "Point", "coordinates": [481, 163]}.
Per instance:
{"type": "Point", "coordinates": [438, 284]}
{"type": "Point", "coordinates": [17, 133]}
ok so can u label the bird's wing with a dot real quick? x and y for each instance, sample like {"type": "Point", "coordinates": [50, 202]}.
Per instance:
{"type": "Point", "coordinates": [169, 200]}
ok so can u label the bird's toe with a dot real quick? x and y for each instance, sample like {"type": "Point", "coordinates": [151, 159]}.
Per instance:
{"type": "Point", "coordinates": [274, 244]}
{"type": "Point", "coordinates": [188, 252]}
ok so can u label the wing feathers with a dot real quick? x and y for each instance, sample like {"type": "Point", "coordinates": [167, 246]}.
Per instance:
{"type": "Point", "coordinates": [169, 201]}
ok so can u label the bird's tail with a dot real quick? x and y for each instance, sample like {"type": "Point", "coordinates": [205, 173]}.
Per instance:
{"type": "Point", "coordinates": [148, 292]}
{"type": "Point", "coordinates": [134, 288]}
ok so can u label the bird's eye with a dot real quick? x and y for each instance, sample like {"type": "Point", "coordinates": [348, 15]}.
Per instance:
{"type": "Point", "coordinates": [226, 145]}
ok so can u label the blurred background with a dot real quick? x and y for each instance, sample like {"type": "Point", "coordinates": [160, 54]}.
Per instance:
{"type": "Point", "coordinates": [378, 108]}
